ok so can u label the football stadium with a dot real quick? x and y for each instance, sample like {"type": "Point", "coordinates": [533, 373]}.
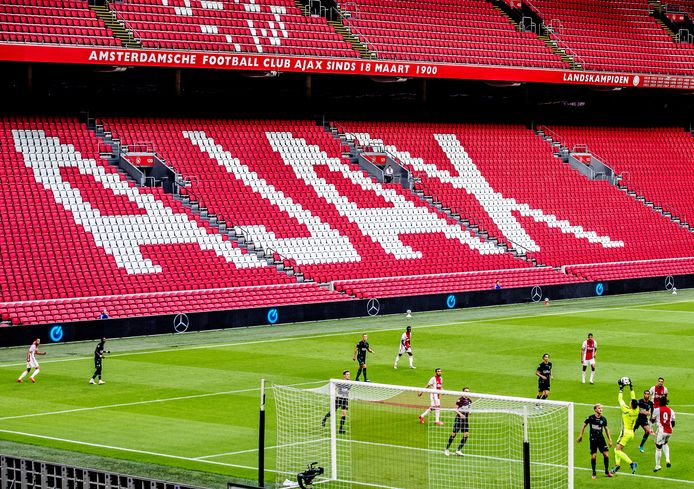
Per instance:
{"type": "Point", "coordinates": [346, 244]}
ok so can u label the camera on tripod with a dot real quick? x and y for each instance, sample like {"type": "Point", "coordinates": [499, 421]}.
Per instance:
{"type": "Point", "coordinates": [305, 478]}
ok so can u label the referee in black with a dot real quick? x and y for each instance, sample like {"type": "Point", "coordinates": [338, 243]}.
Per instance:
{"type": "Point", "coordinates": [99, 352]}
{"type": "Point", "coordinates": [341, 402]}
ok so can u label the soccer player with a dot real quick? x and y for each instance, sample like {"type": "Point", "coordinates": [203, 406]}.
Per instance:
{"type": "Point", "coordinates": [436, 382]}
{"type": "Point", "coordinates": [405, 347]}
{"type": "Point", "coordinates": [645, 414]}
{"type": "Point", "coordinates": [462, 412]}
{"type": "Point", "coordinates": [32, 362]}
{"type": "Point", "coordinates": [588, 351]}
{"type": "Point", "coordinates": [99, 352]}
{"type": "Point", "coordinates": [658, 391]}
{"type": "Point", "coordinates": [341, 402]}
{"type": "Point", "coordinates": [360, 354]}
{"type": "Point", "coordinates": [665, 417]}
{"type": "Point", "coordinates": [629, 414]}
{"type": "Point", "coordinates": [597, 423]}
{"type": "Point", "coordinates": [544, 374]}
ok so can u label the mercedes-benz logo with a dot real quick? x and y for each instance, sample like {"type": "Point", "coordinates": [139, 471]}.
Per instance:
{"type": "Point", "coordinates": [181, 323]}
{"type": "Point", "coordinates": [373, 307]}
{"type": "Point", "coordinates": [536, 293]}
{"type": "Point", "coordinates": [669, 282]}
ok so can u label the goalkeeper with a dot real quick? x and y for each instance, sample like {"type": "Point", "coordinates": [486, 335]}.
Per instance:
{"type": "Point", "coordinates": [630, 412]}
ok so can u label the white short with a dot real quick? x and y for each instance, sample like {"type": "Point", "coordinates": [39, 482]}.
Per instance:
{"type": "Point", "coordinates": [405, 350]}
{"type": "Point", "coordinates": [589, 362]}
{"type": "Point", "coordinates": [435, 400]}
{"type": "Point", "coordinates": [662, 438]}
{"type": "Point", "coordinates": [32, 363]}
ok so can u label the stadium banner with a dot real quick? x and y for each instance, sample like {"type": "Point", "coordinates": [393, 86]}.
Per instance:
{"type": "Point", "coordinates": [109, 56]}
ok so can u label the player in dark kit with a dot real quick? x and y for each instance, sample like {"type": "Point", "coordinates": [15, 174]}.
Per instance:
{"type": "Point", "coordinates": [360, 351]}
{"type": "Point", "coordinates": [461, 423]}
{"type": "Point", "coordinates": [544, 374]}
{"type": "Point", "coordinates": [597, 423]}
{"type": "Point", "coordinates": [99, 352]}
{"type": "Point", "coordinates": [341, 402]}
{"type": "Point", "coordinates": [645, 414]}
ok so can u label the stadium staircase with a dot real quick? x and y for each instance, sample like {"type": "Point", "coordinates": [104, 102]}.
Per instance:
{"type": "Point", "coordinates": [359, 46]}
{"type": "Point", "coordinates": [117, 26]}
{"type": "Point", "coordinates": [536, 25]}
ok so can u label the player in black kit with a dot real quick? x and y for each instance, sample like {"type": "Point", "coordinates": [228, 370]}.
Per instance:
{"type": "Point", "coordinates": [99, 352]}
{"type": "Point", "coordinates": [597, 423]}
{"type": "Point", "coordinates": [461, 423]}
{"type": "Point", "coordinates": [341, 402]}
{"type": "Point", "coordinates": [645, 414]}
{"type": "Point", "coordinates": [544, 374]}
{"type": "Point", "coordinates": [360, 355]}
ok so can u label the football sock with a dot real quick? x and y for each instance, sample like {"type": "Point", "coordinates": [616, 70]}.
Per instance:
{"type": "Point", "coordinates": [592, 375]}
{"type": "Point", "coordinates": [359, 373]}
{"type": "Point", "coordinates": [450, 440]}
{"type": "Point", "coordinates": [643, 440]}
{"type": "Point", "coordinates": [411, 361]}
{"type": "Point", "coordinates": [607, 464]}
{"type": "Point", "coordinates": [365, 377]}
{"type": "Point", "coordinates": [437, 414]}
{"type": "Point", "coordinates": [426, 412]}
{"type": "Point", "coordinates": [620, 455]}
{"type": "Point", "coordinates": [462, 443]}
{"type": "Point", "coordinates": [36, 372]}
{"type": "Point", "coordinates": [658, 454]}
{"type": "Point", "coordinates": [538, 396]}
{"type": "Point", "coordinates": [583, 376]}
{"type": "Point", "coordinates": [342, 423]}
{"type": "Point", "coordinates": [544, 396]}
{"type": "Point", "coordinates": [397, 359]}
{"type": "Point", "coordinates": [24, 374]}
{"type": "Point", "coordinates": [592, 464]}
{"type": "Point", "coordinates": [666, 450]}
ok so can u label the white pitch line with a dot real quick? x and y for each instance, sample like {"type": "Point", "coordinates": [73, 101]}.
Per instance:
{"type": "Point", "coordinates": [129, 450]}
{"type": "Point", "coordinates": [149, 401]}
{"type": "Point", "coordinates": [240, 452]}
{"type": "Point", "coordinates": [342, 333]}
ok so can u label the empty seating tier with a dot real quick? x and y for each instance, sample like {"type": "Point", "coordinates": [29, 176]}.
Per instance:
{"type": "Point", "coordinates": [656, 163]}
{"type": "Point", "coordinates": [506, 180]}
{"type": "Point", "coordinates": [74, 228]}
{"type": "Point", "coordinates": [53, 21]}
{"type": "Point", "coordinates": [264, 26]}
{"type": "Point", "coordinates": [614, 35]}
{"type": "Point", "coordinates": [446, 31]}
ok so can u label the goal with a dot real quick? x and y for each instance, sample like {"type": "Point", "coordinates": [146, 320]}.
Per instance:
{"type": "Point", "coordinates": [512, 442]}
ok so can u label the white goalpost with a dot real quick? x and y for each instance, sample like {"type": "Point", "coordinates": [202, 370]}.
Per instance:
{"type": "Point", "coordinates": [381, 442]}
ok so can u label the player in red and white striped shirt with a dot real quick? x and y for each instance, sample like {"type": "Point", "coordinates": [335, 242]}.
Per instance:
{"type": "Point", "coordinates": [405, 347]}
{"type": "Point", "coordinates": [588, 351]}
{"type": "Point", "coordinates": [436, 382]}
{"type": "Point", "coordinates": [665, 418]}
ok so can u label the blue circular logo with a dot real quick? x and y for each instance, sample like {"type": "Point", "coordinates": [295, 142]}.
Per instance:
{"type": "Point", "coordinates": [56, 333]}
{"type": "Point", "coordinates": [272, 316]}
{"type": "Point", "coordinates": [599, 289]}
{"type": "Point", "coordinates": [450, 301]}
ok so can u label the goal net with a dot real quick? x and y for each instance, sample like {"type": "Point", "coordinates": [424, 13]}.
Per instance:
{"type": "Point", "coordinates": [382, 442]}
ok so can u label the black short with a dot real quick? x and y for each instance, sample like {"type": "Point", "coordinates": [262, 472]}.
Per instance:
{"type": "Point", "coordinates": [642, 422]}
{"type": "Point", "coordinates": [461, 424]}
{"type": "Point", "coordinates": [542, 385]}
{"type": "Point", "coordinates": [598, 445]}
{"type": "Point", "coordinates": [341, 403]}
{"type": "Point", "coordinates": [361, 361]}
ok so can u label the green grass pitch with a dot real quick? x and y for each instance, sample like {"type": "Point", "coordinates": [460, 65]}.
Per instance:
{"type": "Point", "coordinates": [185, 407]}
